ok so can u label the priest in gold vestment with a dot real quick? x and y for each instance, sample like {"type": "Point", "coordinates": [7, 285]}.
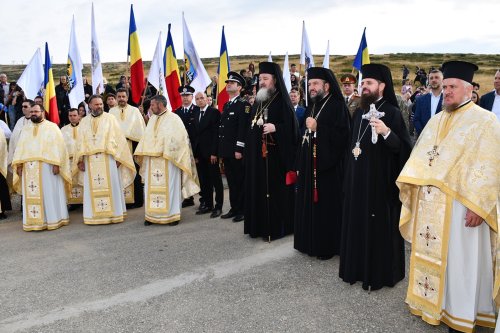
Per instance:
{"type": "Point", "coordinates": [167, 165]}
{"type": "Point", "coordinates": [70, 134]}
{"type": "Point", "coordinates": [132, 124]}
{"type": "Point", "coordinates": [449, 188]}
{"type": "Point", "coordinates": [42, 173]}
{"type": "Point", "coordinates": [104, 157]}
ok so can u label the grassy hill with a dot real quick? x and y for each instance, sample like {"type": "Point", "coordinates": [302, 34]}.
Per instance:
{"type": "Point", "coordinates": [488, 64]}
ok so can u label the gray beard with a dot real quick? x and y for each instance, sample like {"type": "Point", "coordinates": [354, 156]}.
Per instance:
{"type": "Point", "coordinates": [264, 94]}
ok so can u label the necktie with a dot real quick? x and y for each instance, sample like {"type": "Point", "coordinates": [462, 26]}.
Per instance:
{"type": "Point", "coordinates": [346, 100]}
{"type": "Point", "coordinates": [201, 115]}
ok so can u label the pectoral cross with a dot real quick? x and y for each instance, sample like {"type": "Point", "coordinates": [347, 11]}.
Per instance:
{"type": "Point", "coordinates": [432, 154]}
{"type": "Point", "coordinates": [373, 113]}
{"type": "Point", "coordinates": [305, 137]}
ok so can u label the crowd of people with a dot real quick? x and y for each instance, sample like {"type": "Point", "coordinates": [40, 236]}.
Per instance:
{"type": "Point", "coordinates": [336, 164]}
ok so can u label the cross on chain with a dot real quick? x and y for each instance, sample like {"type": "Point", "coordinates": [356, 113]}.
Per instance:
{"type": "Point", "coordinates": [98, 179]}
{"type": "Point", "coordinates": [157, 201]}
{"type": "Point", "coordinates": [157, 174]}
{"type": "Point", "coordinates": [32, 186]}
{"type": "Point", "coordinates": [428, 236]}
{"type": "Point", "coordinates": [102, 204]}
{"type": "Point", "coordinates": [433, 153]}
{"type": "Point", "coordinates": [373, 113]}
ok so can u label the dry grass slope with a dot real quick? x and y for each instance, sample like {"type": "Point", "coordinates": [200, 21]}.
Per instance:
{"type": "Point", "coordinates": [488, 64]}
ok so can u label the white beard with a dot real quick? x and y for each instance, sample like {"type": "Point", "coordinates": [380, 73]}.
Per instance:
{"type": "Point", "coordinates": [263, 95]}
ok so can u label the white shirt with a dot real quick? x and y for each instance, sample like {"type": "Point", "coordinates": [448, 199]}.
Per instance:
{"type": "Point", "coordinates": [434, 103]}
{"type": "Point", "coordinates": [496, 106]}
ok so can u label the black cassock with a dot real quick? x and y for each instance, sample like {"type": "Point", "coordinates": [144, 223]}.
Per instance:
{"type": "Point", "coordinates": [270, 216]}
{"type": "Point", "coordinates": [372, 249]}
{"type": "Point", "coordinates": [318, 225]}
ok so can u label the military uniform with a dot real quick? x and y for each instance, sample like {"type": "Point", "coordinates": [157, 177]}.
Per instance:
{"type": "Point", "coordinates": [351, 101]}
{"type": "Point", "coordinates": [233, 127]}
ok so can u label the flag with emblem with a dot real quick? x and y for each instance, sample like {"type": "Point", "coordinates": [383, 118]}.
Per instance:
{"type": "Point", "coordinates": [156, 71]}
{"type": "Point", "coordinates": [196, 75]}
{"type": "Point", "coordinates": [95, 64]}
{"type": "Point", "coordinates": [31, 81]}
{"type": "Point", "coordinates": [172, 77]}
{"type": "Point", "coordinates": [224, 68]}
{"type": "Point", "coordinates": [306, 57]}
{"type": "Point", "coordinates": [74, 68]}
{"type": "Point", "coordinates": [137, 83]}
{"type": "Point", "coordinates": [49, 98]}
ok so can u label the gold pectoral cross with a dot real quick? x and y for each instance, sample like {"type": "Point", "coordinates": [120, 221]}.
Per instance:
{"type": "Point", "coordinates": [433, 153]}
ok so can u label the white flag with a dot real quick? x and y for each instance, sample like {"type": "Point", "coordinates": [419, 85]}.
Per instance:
{"type": "Point", "coordinates": [96, 67]}
{"type": "Point", "coordinates": [286, 74]}
{"type": "Point", "coordinates": [31, 81]}
{"type": "Point", "coordinates": [196, 74]}
{"type": "Point", "coordinates": [269, 57]}
{"type": "Point", "coordinates": [326, 61]}
{"type": "Point", "coordinates": [306, 57]}
{"type": "Point", "coordinates": [74, 70]}
{"type": "Point", "coordinates": [155, 76]}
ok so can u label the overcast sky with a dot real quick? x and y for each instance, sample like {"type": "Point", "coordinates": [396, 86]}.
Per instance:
{"type": "Point", "coordinates": [252, 27]}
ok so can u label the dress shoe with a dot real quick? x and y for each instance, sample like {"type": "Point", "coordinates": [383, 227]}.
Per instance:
{"type": "Point", "coordinates": [228, 215]}
{"type": "Point", "coordinates": [204, 210]}
{"type": "Point", "coordinates": [215, 213]}
{"type": "Point", "coordinates": [187, 203]}
{"type": "Point", "coordinates": [147, 223]}
{"type": "Point", "coordinates": [173, 223]}
{"type": "Point", "coordinates": [238, 218]}
{"type": "Point", "coordinates": [325, 257]}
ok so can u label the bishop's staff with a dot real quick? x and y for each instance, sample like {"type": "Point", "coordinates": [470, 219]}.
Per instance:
{"type": "Point", "coordinates": [264, 155]}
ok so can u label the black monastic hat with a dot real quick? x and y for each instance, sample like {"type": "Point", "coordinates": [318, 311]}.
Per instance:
{"type": "Point", "coordinates": [327, 75]}
{"type": "Point", "coordinates": [381, 73]}
{"type": "Point", "coordinates": [456, 69]}
{"type": "Point", "coordinates": [236, 77]}
{"type": "Point", "coordinates": [186, 90]}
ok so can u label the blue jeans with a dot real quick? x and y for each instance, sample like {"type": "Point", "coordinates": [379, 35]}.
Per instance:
{"type": "Point", "coordinates": [12, 117]}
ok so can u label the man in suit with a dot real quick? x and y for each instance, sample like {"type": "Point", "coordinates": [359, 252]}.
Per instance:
{"type": "Point", "coordinates": [426, 106]}
{"type": "Point", "coordinates": [188, 113]}
{"type": "Point", "coordinates": [235, 121]}
{"type": "Point", "coordinates": [299, 110]}
{"type": "Point", "coordinates": [205, 154]}
{"type": "Point", "coordinates": [491, 100]}
{"type": "Point", "coordinates": [351, 99]}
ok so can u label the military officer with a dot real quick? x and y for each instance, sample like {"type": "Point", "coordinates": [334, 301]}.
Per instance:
{"type": "Point", "coordinates": [235, 121]}
{"type": "Point", "coordinates": [351, 99]}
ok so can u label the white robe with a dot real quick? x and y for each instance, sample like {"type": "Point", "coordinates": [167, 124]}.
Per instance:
{"type": "Point", "coordinates": [54, 200]}
{"type": "Point", "coordinates": [174, 189]}
{"type": "Point", "coordinates": [469, 273]}
{"type": "Point", "coordinates": [118, 197]}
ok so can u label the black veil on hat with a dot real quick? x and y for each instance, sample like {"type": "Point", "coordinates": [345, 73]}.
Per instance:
{"type": "Point", "coordinates": [381, 73]}
{"type": "Point", "coordinates": [456, 69]}
{"type": "Point", "coordinates": [327, 75]}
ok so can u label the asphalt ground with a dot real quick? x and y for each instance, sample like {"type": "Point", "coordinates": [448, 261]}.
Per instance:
{"type": "Point", "coordinates": [203, 275]}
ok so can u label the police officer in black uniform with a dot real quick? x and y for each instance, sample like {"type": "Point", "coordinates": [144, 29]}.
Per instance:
{"type": "Point", "coordinates": [188, 112]}
{"type": "Point", "coordinates": [235, 121]}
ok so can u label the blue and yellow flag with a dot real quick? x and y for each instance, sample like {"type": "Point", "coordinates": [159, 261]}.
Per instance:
{"type": "Point", "coordinates": [362, 57]}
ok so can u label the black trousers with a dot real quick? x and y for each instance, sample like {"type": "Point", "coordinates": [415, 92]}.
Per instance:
{"type": "Point", "coordinates": [235, 174]}
{"type": "Point", "coordinates": [210, 180]}
{"type": "Point", "coordinates": [138, 186]}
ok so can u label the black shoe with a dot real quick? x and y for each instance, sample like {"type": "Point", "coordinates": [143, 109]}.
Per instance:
{"type": "Point", "coordinates": [451, 330]}
{"type": "Point", "coordinates": [147, 223]}
{"type": "Point", "coordinates": [173, 223]}
{"type": "Point", "coordinates": [204, 210]}
{"type": "Point", "coordinates": [187, 203]}
{"type": "Point", "coordinates": [228, 215]}
{"type": "Point", "coordinates": [325, 257]}
{"type": "Point", "coordinates": [238, 218]}
{"type": "Point", "coordinates": [215, 213]}
{"type": "Point", "coordinates": [3, 216]}
{"type": "Point", "coordinates": [71, 208]}
{"type": "Point", "coordinates": [130, 206]}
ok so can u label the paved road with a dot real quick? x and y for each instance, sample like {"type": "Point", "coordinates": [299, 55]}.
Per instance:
{"type": "Point", "coordinates": [203, 275]}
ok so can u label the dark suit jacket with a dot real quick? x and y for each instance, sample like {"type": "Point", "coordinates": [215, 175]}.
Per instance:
{"type": "Point", "coordinates": [422, 111]}
{"type": "Point", "coordinates": [487, 100]}
{"type": "Point", "coordinates": [300, 113]}
{"type": "Point", "coordinates": [207, 133]}
{"type": "Point", "coordinates": [188, 118]}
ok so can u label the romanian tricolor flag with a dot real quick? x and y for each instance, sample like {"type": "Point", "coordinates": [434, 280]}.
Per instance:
{"type": "Point", "coordinates": [49, 98]}
{"type": "Point", "coordinates": [222, 96]}
{"type": "Point", "coordinates": [362, 57]}
{"type": "Point", "coordinates": [172, 77]}
{"type": "Point", "coordinates": [136, 69]}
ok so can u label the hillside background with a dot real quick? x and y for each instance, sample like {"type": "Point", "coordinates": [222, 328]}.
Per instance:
{"type": "Point", "coordinates": [488, 64]}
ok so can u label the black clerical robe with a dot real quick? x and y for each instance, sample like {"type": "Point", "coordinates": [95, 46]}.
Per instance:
{"type": "Point", "coordinates": [318, 224]}
{"type": "Point", "coordinates": [268, 199]}
{"type": "Point", "coordinates": [372, 249]}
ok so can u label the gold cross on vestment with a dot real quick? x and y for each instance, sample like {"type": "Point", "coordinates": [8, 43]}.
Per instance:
{"type": "Point", "coordinates": [433, 153]}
